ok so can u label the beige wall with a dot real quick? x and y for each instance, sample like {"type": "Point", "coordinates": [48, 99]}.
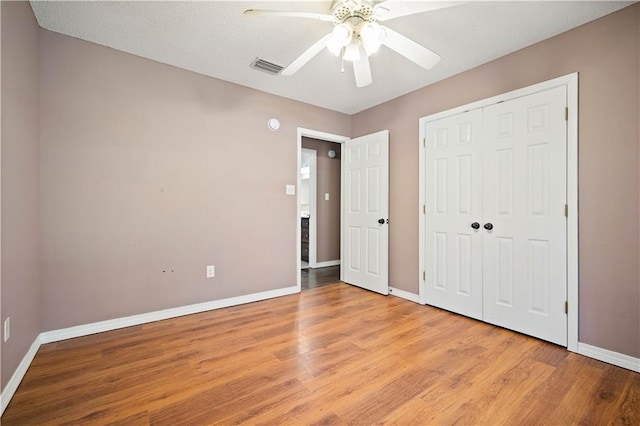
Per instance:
{"type": "Point", "coordinates": [20, 184]}
{"type": "Point", "coordinates": [327, 212]}
{"type": "Point", "coordinates": [148, 168]}
{"type": "Point", "coordinates": [606, 54]}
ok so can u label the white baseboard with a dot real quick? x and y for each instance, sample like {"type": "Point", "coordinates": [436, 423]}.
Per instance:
{"type": "Point", "coordinates": [18, 375]}
{"type": "Point", "coordinates": [404, 294]}
{"type": "Point", "coordinates": [99, 327]}
{"type": "Point", "coordinates": [326, 263]}
{"type": "Point", "coordinates": [611, 357]}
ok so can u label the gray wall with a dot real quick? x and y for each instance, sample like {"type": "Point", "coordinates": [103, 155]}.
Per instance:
{"type": "Point", "coordinates": [20, 183]}
{"type": "Point", "coordinates": [148, 168]}
{"type": "Point", "coordinates": [327, 212]}
{"type": "Point", "coordinates": [606, 54]}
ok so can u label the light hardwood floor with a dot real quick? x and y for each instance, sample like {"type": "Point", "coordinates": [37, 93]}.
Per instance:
{"type": "Point", "coordinates": [330, 355]}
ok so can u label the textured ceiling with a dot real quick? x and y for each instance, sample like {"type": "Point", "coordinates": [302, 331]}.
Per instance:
{"type": "Point", "coordinates": [215, 38]}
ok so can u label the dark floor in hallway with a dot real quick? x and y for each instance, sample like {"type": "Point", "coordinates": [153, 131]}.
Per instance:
{"type": "Point", "coordinates": [317, 277]}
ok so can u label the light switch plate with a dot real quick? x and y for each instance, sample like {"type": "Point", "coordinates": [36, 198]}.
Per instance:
{"type": "Point", "coordinates": [326, 196]}
{"type": "Point", "coordinates": [290, 190]}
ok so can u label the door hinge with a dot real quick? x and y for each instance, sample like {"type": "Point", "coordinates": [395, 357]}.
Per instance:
{"type": "Point", "coordinates": [566, 210]}
{"type": "Point", "coordinates": [566, 307]}
{"type": "Point", "coordinates": [424, 208]}
{"type": "Point", "coordinates": [424, 142]}
{"type": "Point", "coordinates": [424, 275]}
{"type": "Point", "coordinates": [566, 114]}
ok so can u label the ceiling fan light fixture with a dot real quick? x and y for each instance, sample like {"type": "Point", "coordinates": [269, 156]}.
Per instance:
{"type": "Point", "coordinates": [352, 52]}
{"type": "Point", "coordinates": [340, 37]}
{"type": "Point", "coordinates": [372, 37]}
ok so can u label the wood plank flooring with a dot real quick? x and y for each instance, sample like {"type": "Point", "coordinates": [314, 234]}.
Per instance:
{"type": "Point", "coordinates": [334, 354]}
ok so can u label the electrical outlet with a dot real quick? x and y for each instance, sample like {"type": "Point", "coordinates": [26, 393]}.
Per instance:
{"type": "Point", "coordinates": [7, 328]}
{"type": "Point", "coordinates": [211, 271]}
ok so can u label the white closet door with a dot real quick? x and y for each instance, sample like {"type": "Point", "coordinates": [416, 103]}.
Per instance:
{"type": "Point", "coordinates": [524, 179]}
{"type": "Point", "coordinates": [454, 208]}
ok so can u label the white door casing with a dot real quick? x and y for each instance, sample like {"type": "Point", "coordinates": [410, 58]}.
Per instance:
{"type": "Point", "coordinates": [454, 200]}
{"type": "Point", "coordinates": [524, 179]}
{"type": "Point", "coordinates": [365, 241]}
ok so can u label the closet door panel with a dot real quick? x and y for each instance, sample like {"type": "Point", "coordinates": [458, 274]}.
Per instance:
{"type": "Point", "coordinates": [454, 203]}
{"type": "Point", "coordinates": [524, 185]}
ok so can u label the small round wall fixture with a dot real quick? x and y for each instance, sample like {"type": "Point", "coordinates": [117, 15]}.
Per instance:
{"type": "Point", "coordinates": [273, 124]}
{"type": "Point", "coordinates": [331, 153]}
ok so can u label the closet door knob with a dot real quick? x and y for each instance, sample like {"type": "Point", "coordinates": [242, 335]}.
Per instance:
{"type": "Point", "coordinates": [488, 226]}
{"type": "Point", "coordinates": [475, 225]}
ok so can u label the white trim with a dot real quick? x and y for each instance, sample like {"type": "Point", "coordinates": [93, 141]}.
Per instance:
{"type": "Point", "coordinates": [326, 263]}
{"type": "Point", "coordinates": [572, 219]}
{"type": "Point", "coordinates": [114, 324]}
{"type": "Point", "coordinates": [11, 387]}
{"type": "Point", "coordinates": [422, 221]}
{"type": "Point", "coordinates": [325, 137]}
{"type": "Point", "coordinates": [412, 297]}
{"type": "Point", "coordinates": [571, 83]}
{"type": "Point", "coordinates": [611, 357]}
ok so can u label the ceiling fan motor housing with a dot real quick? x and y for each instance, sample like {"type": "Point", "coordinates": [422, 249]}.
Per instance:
{"type": "Point", "coordinates": [342, 10]}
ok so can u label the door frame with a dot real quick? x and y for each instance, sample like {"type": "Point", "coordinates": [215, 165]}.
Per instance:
{"type": "Point", "coordinates": [329, 137]}
{"type": "Point", "coordinates": [571, 83]}
{"type": "Point", "coordinates": [313, 186]}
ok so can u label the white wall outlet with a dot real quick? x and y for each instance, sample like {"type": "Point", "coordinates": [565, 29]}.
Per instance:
{"type": "Point", "coordinates": [7, 328]}
{"type": "Point", "coordinates": [290, 190]}
{"type": "Point", "coordinates": [211, 271]}
{"type": "Point", "coordinates": [326, 196]}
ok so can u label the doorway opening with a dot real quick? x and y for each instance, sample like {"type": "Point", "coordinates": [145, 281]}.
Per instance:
{"type": "Point", "coordinates": [319, 209]}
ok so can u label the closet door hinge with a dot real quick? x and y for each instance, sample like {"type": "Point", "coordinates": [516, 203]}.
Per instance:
{"type": "Point", "coordinates": [424, 208]}
{"type": "Point", "coordinates": [566, 307]}
{"type": "Point", "coordinates": [424, 142]}
{"type": "Point", "coordinates": [424, 275]}
{"type": "Point", "coordinates": [566, 210]}
{"type": "Point", "coordinates": [566, 114]}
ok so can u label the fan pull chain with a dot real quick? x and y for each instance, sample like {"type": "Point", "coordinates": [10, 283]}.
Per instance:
{"type": "Point", "coordinates": [342, 59]}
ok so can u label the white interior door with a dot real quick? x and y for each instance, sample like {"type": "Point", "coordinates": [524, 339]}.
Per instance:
{"type": "Point", "coordinates": [454, 213]}
{"type": "Point", "coordinates": [365, 229]}
{"type": "Point", "coordinates": [525, 187]}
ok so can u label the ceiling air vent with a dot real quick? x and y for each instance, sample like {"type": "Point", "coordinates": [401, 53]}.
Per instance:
{"type": "Point", "coordinates": [266, 66]}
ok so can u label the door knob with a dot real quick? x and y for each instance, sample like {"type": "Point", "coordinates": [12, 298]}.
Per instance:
{"type": "Point", "coordinates": [381, 221]}
{"type": "Point", "coordinates": [475, 225]}
{"type": "Point", "coordinates": [488, 226]}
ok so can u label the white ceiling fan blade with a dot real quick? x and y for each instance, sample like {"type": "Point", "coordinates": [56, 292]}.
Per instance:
{"type": "Point", "coordinates": [306, 56]}
{"type": "Point", "coordinates": [362, 69]}
{"type": "Point", "coordinates": [410, 49]}
{"type": "Point", "coordinates": [391, 9]}
{"type": "Point", "coordinates": [261, 12]}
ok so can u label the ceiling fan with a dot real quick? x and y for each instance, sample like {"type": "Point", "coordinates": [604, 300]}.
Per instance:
{"type": "Point", "coordinates": [356, 33]}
